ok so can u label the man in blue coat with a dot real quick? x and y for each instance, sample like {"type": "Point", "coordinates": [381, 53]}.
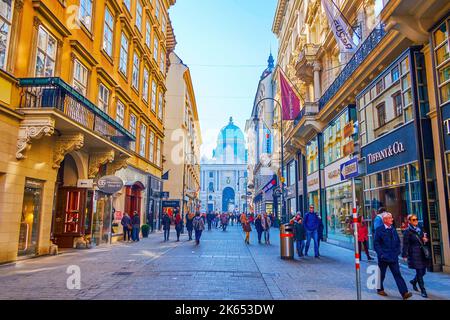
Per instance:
{"type": "Point", "coordinates": [387, 247]}
{"type": "Point", "coordinates": [312, 222]}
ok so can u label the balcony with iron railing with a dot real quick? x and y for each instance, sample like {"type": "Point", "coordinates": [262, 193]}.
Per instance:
{"type": "Point", "coordinates": [55, 94]}
{"type": "Point", "coordinates": [365, 49]}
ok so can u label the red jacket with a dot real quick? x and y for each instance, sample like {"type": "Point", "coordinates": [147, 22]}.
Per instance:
{"type": "Point", "coordinates": [363, 232]}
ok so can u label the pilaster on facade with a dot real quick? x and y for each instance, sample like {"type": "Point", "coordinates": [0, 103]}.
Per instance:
{"type": "Point", "coordinates": [98, 159]}
{"type": "Point", "coordinates": [34, 128]}
{"type": "Point", "coordinates": [64, 145]}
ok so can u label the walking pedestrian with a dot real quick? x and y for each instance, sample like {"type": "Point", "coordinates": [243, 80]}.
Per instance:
{"type": "Point", "coordinates": [259, 227]}
{"type": "Point", "coordinates": [363, 238]}
{"type": "Point", "coordinates": [178, 225]}
{"type": "Point", "coordinates": [311, 223]}
{"type": "Point", "coordinates": [247, 229]}
{"type": "Point", "coordinates": [416, 253]}
{"type": "Point", "coordinates": [127, 227]}
{"type": "Point", "coordinates": [299, 234]}
{"type": "Point", "coordinates": [387, 246]}
{"type": "Point", "coordinates": [266, 224]}
{"type": "Point", "coordinates": [224, 221]}
{"type": "Point", "coordinates": [136, 222]}
{"type": "Point", "coordinates": [199, 226]}
{"type": "Point", "coordinates": [166, 221]}
{"type": "Point", "coordinates": [209, 219]}
{"type": "Point", "coordinates": [189, 224]}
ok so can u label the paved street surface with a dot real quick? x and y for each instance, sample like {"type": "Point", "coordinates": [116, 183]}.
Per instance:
{"type": "Point", "coordinates": [222, 267]}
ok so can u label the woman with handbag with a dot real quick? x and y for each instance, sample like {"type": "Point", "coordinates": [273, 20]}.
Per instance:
{"type": "Point", "coordinates": [416, 252]}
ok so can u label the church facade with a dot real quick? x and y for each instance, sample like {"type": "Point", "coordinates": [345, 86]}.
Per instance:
{"type": "Point", "coordinates": [224, 177]}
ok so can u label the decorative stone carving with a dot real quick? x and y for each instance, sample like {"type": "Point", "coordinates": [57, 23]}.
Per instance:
{"type": "Point", "coordinates": [18, 5]}
{"type": "Point", "coordinates": [97, 159]}
{"type": "Point", "coordinates": [119, 162]}
{"type": "Point", "coordinates": [32, 129]}
{"type": "Point", "coordinates": [66, 144]}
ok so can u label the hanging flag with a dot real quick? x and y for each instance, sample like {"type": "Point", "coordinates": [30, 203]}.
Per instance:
{"type": "Point", "coordinates": [289, 100]}
{"type": "Point", "coordinates": [340, 27]}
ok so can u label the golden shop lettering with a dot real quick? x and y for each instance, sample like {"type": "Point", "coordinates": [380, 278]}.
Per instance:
{"type": "Point", "coordinates": [447, 125]}
{"type": "Point", "coordinates": [392, 150]}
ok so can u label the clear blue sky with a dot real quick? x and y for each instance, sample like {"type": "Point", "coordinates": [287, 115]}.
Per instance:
{"type": "Point", "coordinates": [226, 44]}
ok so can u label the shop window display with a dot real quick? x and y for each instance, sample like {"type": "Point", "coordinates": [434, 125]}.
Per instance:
{"type": "Point", "coordinates": [312, 156]}
{"type": "Point", "coordinates": [339, 209]}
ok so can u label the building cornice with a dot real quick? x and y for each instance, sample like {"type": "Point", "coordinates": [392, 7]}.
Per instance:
{"type": "Point", "coordinates": [279, 15]}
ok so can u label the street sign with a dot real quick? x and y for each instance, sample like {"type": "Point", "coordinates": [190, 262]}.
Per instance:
{"type": "Point", "coordinates": [349, 169]}
{"type": "Point", "coordinates": [164, 194]}
{"type": "Point", "coordinates": [110, 184]}
{"type": "Point", "coordinates": [85, 183]}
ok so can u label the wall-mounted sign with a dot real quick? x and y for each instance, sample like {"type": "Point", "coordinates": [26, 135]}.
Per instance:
{"type": "Point", "coordinates": [85, 183]}
{"type": "Point", "coordinates": [348, 129]}
{"type": "Point", "coordinates": [312, 182]}
{"type": "Point", "coordinates": [391, 150]}
{"type": "Point", "coordinates": [349, 169]}
{"type": "Point", "coordinates": [110, 184]}
{"type": "Point", "coordinates": [446, 126]}
{"type": "Point", "coordinates": [332, 173]}
{"type": "Point", "coordinates": [349, 148]}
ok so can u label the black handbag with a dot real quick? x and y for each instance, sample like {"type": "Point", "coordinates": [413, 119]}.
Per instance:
{"type": "Point", "coordinates": [425, 250]}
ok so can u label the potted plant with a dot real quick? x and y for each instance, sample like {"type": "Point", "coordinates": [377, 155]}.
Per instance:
{"type": "Point", "coordinates": [145, 230]}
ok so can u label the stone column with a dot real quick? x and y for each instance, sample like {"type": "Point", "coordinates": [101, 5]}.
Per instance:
{"type": "Point", "coordinates": [317, 87]}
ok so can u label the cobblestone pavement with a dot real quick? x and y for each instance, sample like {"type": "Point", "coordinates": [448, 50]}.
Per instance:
{"type": "Point", "coordinates": [222, 267]}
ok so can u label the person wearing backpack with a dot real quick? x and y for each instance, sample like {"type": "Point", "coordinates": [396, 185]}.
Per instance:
{"type": "Point", "coordinates": [199, 226]}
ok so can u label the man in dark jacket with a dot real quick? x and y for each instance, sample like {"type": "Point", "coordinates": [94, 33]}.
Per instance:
{"type": "Point", "coordinates": [387, 247]}
{"type": "Point", "coordinates": [136, 222]}
{"type": "Point", "coordinates": [312, 223]}
{"type": "Point", "coordinates": [126, 224]}
{"type": "Point", "coordinates": [166, 226]}
{"type": "Point", "coordinates": [299, 234]}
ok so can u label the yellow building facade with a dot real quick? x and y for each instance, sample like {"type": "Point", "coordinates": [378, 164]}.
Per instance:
{"type": "Point", "coordinates": [82, 87]}
{"type": "Point", "coordinates": [182, 139]}
{"type": "Point", "coordinates": [355, 105]}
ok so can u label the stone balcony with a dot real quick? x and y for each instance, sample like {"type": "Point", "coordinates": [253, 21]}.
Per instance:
{"type": "Point", "coordinates": [306, 61]}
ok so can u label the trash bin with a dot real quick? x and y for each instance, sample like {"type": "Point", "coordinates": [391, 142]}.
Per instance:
{"type": "Point", "coordinates": [287, 241]}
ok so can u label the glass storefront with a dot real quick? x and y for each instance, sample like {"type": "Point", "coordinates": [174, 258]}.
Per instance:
{"type": "Point", "coordinates": [312, 156]}
{"type": "Point", "coordinates": [314, 199]}
{"type": "Point", "coordinates": [339, 209]}
{"type": "Point", "coordinates": [29, 224]}
{"type": "Point", "coordinates": [102, 220]}
{"type": "Point", "coordinates": [398, 190]}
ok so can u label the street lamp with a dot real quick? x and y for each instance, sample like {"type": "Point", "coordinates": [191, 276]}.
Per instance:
{"type": "Point", "coordinates": [255, 121]}
{"type": "Point", "coordinates": [246, 181]}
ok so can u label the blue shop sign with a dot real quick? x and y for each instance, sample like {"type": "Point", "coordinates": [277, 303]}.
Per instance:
{"type": "Point", "coordinates": [391, 150]}
{"type": "Point", "coordinates": [446, 126]}
{"type": "Point", "coordinates": [171, 204]}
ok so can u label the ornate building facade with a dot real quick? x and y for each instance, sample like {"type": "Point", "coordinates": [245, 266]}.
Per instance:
{"type": "Point", "coordinates": [82, 87]}
{"type": "Point", "coordinates": [223, 178]}
{"type": "Point", "coordinates": [388, 95]}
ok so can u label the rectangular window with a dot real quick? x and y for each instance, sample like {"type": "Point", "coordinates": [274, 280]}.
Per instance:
{"type": "Point", "coordinates": [160, 105]}
{"type": "Point", "coordinates": [136, 68]}
{"type": "Point", "coordinates": [164, 25]}
{"type": "Point", "coordinates": [127, 4]}
{"type": "Point", "coordinates": [157, 9]}
{"type": "Point", "coordinates": [162, 61]}
{"type": "Point", "coordinates": [6, 10]}
{"type": "Point", "coordinates": [143, 140]}
{"type": "Point", "coordinates": [380, 86]}
{"type": "Point", "coordinates": [120, 113]}
{"type": "Point", "coordinates": [108, 32]}
{"type": "Point", "coordinates": [46, 54]}
{"type": "Point", "coordinates": [80, 77]}
{"type": "Point", "coordinates": [155, 49]}
{"type": "Point", "coordinates": [139, 15]}
{"type": "Point", "coordinates": [145, 86]}
{"type": "Point", "coordinates": [151, 150]}
{"type": "Point", "coordinates": [123, 54]}
{"type": "Point", "coordinates": [85, 13]}
{"type": "Point", "coordinates": [381, 114]}
{"type": "Point", "coordinates": [148, 34]}
{"type": "Point", "coordinates": [132, 130]}
{"type": "Point", "coordinates": [158, 152]}
{"type": "Point", "coordinates": [397, 102]}
{"type": "Point", "coordinates": [395, 74]}
{"type": "Point", "coordinates": [442, 55]}
{"type": "Point", "coordinates": [103, 98]}
{"type": "Point", "coordinates": [154, 96]}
